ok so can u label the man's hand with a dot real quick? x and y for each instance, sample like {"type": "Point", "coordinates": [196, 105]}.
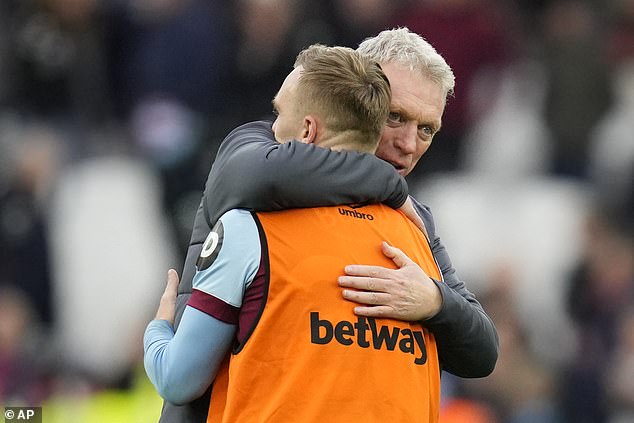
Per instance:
{"type": "Point", "coordinates": [167, 306]}
{"type": "Point", "coordinates": [406, 293]}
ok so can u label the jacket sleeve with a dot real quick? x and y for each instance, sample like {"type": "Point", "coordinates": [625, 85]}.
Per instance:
{"type": "Point", "coordinates": [253, 171]}
{"type": "Point", "coordinates": [465, 335]}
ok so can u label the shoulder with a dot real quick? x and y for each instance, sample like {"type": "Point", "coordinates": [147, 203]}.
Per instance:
{"type": "Point", "coordinates": [238, 220]}
{"type": "Point", "coordinates": [233, 234]}
{"type": "Point", "coordinates": [230, 257]}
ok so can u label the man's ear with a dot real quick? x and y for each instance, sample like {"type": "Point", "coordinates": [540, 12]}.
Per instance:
{"type": "Point", "coordinates": [309, 129]}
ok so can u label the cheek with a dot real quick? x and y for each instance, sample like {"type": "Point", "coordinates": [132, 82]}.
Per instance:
{"type": "Point", "coordinates": [421, 149]}
{"type": "Point", "coordinates": [383, 150]}
{"type": "Point", "coordinates": [386, 148]}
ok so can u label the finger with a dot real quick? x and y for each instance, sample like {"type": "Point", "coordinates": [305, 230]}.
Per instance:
{"type": "Point", "coordinates": [369, 298]}
{"type": "Point", "coordinates": [362, 283]}
{"type": "Point", "coordinates": [172, 277]}
{"type": "Point", "coordinates": [171, 288]}
{"type": "Point", "coordinates": [398, 257]}
{"type": "Point", "coordinates": [375, 311]}
{"type": "Point", "coordinates": [368, 271]}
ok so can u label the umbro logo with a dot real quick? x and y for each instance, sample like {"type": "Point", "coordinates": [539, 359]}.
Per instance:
{"type": "Point", "coordinates": [355, 214]}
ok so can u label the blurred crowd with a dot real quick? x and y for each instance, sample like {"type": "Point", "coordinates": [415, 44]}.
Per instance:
{"type": "Point", "coordinates": [110, 116]}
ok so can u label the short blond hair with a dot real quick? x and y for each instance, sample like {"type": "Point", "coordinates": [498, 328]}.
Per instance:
{"type": "Point", "coordinates": [349, 91]}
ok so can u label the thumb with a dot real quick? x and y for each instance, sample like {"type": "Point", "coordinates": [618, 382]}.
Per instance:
{"type": "Point", "coordinates": [172, 280]}
{"type": "Point", "coordinates": [396, 255]}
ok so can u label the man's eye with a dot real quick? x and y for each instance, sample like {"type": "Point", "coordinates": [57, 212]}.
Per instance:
{"type": "Point", "coordinates": [394, 118]}
{"type": "Point", "coordinates": [425, 131]}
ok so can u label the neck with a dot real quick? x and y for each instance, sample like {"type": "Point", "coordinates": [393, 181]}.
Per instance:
{"type": "Point", "coordinates": [345, 140]}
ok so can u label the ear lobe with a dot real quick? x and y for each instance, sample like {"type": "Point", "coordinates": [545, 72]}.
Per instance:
{"type": "Point", "coordinates": [309, 131]}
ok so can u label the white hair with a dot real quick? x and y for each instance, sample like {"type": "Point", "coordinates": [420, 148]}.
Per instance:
{"type": "Point", "coordinates": [402, 46]}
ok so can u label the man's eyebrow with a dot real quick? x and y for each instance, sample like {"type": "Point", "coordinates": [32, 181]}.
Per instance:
{"type": "Point", "coordinates": [403, 112]}
{"type": "Point", "coordinates": [408, 116]}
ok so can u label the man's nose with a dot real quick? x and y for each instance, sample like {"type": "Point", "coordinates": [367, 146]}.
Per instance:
{"type": "Point", "coordinates": [407, 138]}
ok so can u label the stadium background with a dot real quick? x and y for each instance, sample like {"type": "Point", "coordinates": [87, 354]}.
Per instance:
{"type": "Point", "coordinates": [111, 112]}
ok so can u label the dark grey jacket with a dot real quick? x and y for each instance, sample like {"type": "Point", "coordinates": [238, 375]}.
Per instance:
{"type": "Point", "coordinates": [253, 171]}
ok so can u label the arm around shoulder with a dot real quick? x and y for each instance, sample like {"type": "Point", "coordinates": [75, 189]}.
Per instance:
{"type": "Point", "coordinates": [253, 171]}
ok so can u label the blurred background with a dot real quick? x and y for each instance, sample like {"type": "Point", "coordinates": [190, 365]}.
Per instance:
{"type": "Point", "coordinates": [110, 116]}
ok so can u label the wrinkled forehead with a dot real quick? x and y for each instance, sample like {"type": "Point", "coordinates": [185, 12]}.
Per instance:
{"type": "Point", "coordinates": [414, 93]}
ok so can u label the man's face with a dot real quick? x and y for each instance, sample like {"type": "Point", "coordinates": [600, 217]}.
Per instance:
{"type": "Point", "coordinates": [415, 116]}
{"type": "Point", "coordinates": [288, 124]}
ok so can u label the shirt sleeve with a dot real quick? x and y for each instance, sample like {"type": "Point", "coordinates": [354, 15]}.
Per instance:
{"type": "Point", "coordinates": [181, 366]}
{"type": "Point", "coordinates": [465, 335]}
{"type": "Point", "coordinates": [253, 171]}
{"type": "Point", "coordinates": [227, 264]}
